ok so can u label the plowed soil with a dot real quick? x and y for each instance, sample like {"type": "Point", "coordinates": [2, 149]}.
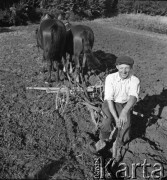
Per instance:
{"type": "Point", "coordinates": [36, 142]}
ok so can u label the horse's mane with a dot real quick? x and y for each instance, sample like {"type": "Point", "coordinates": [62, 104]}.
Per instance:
{"type": "Point", "coordinates": [67, 25]}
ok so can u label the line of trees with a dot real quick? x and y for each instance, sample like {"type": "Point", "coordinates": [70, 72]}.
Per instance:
{"type": "Point", "coordinates": [149, 7]}
{"type": "Point", "coordinates": [20, 12]}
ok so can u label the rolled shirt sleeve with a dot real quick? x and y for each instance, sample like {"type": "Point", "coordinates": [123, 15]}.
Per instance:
{"type": "Point", "coordinates": [135, 88]}
{"type": "Point", "coordinates": [109, 89]}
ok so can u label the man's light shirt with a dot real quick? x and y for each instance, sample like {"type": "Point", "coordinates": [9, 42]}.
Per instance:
{"type": "Point", "coordinates": [119, 90]}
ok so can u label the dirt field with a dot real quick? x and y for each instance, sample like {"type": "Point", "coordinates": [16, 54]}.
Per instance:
{"type": "Point", "coordinates": [37, 143]}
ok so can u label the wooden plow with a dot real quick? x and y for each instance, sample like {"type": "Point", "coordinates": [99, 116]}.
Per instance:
{"type": "Point", "coordinates": [62, 96]}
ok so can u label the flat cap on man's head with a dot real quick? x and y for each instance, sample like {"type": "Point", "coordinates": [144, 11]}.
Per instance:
{"type": "Point", "coordinates": [124, 60]}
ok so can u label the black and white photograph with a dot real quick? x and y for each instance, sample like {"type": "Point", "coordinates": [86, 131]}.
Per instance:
{"type": "Point", "coordinates": [83, 89]}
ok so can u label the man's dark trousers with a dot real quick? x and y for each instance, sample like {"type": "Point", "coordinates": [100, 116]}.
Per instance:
{"type": "Point", "coordinates": [108, 123]}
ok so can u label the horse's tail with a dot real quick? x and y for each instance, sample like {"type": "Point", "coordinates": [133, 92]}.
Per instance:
{"type": "Point", "coordinates": [89, 58]}
{"type": "Point", "coordinates": [56, 42]}
{"type": "Point", "coordinates": [87, 49]}
{"type": "Point", "coordinates": [86, 42]}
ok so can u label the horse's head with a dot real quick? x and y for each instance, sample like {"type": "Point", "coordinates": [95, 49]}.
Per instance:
{"type": "Point", "coordinates": [46, 16]}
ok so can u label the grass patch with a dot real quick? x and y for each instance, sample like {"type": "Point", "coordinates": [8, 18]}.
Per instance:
{"type": "Point", "coordinates": [141, 21]}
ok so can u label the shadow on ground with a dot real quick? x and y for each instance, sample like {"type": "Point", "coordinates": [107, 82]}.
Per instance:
{"type": "Point", "coordinates": [148, 107]}
{"type": "Point", "coordinates": [49, 170]}
{"type": "Point", "coordinates": [100, 66]}
{"type": "Point", "coordinates": [104, 62]}
{"type": "Point", "coordinates": [4, 30]}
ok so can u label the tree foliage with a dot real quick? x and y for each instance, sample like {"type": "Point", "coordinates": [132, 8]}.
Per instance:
{"type": "Point", "coordinates": [17, 12]}
{"type": "Point", "coordinates": [21, 11]}
{"type": "Point", "coordinates": [84, 8]}
{"type": "Point", "coordinates": [150, 7]}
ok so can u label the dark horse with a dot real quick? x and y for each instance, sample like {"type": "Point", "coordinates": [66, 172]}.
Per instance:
{"type": "Point", "coordinates": [80, 40]}
{"type": "Point", "coordinates": [51, 38]}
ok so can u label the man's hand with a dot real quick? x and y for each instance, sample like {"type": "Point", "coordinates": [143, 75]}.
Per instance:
{"type": "Point", "coordinates": [123, 115]}
{"type": "Point", "coordinates": [122, 118]}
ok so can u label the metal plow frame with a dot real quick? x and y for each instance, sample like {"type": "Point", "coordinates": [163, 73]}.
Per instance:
{"type": "Point", "coordinates": [62, 95]}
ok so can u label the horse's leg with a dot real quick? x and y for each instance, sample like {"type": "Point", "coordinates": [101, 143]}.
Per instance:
{"type": "Point", "coordinates": [65, 66]}
{"type": "Point", "coordinates": [70, 62]}
{"type": "Point", "coordinates": [50, 64]}
{"type": "Point", "coordinates": [53, 66]}
{"type": "Point", "coordinates": [78, 47]}
{"type": "Point", "coordinates": [57, 72]}
{"type": "Point", "coordinates": [64, 62]}
{"type": "Point", "coordinates": [77, 67]}
{"type": "Point", "coordinates": [82, 76]}
{"type": "Point", "coordinates": [43, 68]}
{"type": "Point", "coordinates": [83, 67]}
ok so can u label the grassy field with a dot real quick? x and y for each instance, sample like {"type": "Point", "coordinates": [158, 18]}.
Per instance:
{"type": "Point", "coordinates": [141, 21]}
{"type": "Point", "coordinates": [37, 142]}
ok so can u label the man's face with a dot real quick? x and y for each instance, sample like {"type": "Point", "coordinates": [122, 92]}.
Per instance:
{"type": "Point", "coordinates": [124, 70]}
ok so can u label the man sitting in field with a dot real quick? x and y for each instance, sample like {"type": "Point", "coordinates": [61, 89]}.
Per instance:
{"type": "Point", "coordinates": [120, 95]}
